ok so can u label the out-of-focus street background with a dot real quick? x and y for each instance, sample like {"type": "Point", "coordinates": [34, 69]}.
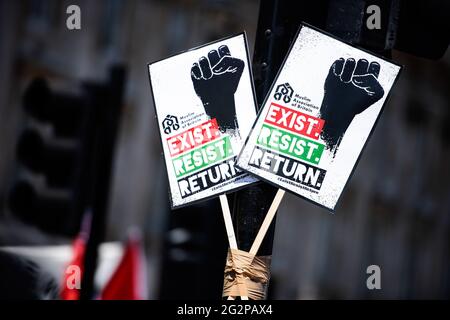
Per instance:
{"type": "Point", "coordinates": [395, 212]}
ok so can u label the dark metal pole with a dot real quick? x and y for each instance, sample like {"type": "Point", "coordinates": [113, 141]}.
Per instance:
{"type": "Point", "coordinates": [107, 100]}
{"type": "Point", "coordinates": [278, 23]}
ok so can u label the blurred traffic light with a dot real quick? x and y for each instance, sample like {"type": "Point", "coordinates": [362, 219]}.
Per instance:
{"type": "Point", "coordinates": [45, 212]}
{"type": "Point", "coordinates": [64, 112]}
{"type": "Point", "coordinates": [67, 159]}
{"type": "Point", "coordinates": [56, 163]}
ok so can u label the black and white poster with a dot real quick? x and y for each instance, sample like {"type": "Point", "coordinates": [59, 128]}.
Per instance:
{"type": "Point", "coordinates": [317, 117]}
{"type": "Point", "coordinates": [205, 106]}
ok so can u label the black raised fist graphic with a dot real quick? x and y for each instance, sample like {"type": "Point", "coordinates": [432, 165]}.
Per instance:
{"type": "Point", "coordinates": [215, 80]}
{"type": "Point", "coordinates": [350, 88]}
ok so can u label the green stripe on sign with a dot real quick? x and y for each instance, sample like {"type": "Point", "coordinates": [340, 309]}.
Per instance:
{"type": "Point", "coordinates": [290, 144]}
{"type": "Point", "coordinates": [202, 157]}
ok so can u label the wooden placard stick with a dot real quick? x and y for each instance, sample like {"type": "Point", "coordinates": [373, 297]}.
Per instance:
{"type": "Point", "coordinates": [262, 230]}
{"type": "Point", "coordinates": [229, 228]}
{"type": "Point", "coordinates": [228, 221]}
{"type": "Point", "coordinates": [267, 221]}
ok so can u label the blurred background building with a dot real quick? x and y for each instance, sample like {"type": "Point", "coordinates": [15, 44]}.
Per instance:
{"type": "Point", "coordinates": [395, 212]}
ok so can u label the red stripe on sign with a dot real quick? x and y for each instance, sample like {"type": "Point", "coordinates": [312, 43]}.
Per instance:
{"type": "Point", "coordinates": [194, 137]}
{"type": "Point", "coordinates": [295, 121]}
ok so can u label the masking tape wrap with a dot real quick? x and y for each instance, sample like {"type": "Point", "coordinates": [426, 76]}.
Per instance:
{"type": "Point", "coordinates": [246, 275]}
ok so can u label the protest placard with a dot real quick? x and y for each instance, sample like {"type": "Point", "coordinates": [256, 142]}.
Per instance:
{"type": "Point", "coordinates": [318, 116]}
{"type": "Point", "coordinates": [205, 106]}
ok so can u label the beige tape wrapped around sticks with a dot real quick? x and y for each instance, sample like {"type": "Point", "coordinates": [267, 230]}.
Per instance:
{"type": "Point", "coordinates": [246, 275]}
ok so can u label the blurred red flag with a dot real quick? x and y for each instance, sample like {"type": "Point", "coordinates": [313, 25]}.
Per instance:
{"type": "Point", "coordinates": [129, 281]}
{"type": "Point", "coordinates": [74, 270]}
{"type": "Point", "coordinates": [69, 290]}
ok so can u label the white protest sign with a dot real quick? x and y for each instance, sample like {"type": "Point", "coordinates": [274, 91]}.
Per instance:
{"type": "Point", "coordinates": [205, 106]}
{"type": "Point", "coordinates": [317, 117]}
